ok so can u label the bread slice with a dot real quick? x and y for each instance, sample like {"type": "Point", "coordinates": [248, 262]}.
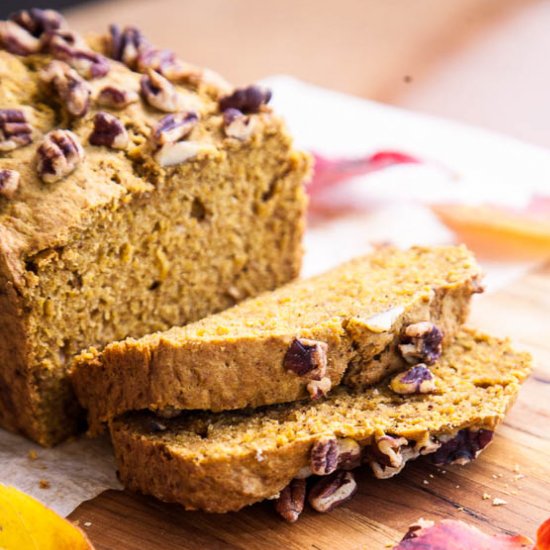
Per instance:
{"type": "Point", "coordinates": [178, 217]}
{"type": "Point", "coordinates": [284, 345]}
{"type": "Point", "coordinates": [222, 462]}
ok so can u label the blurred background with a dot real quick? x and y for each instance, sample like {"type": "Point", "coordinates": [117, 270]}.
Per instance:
{"type": "Point", "coordinates": [484, 62]}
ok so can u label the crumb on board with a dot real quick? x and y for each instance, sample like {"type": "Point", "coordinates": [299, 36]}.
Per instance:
{"type": "Point", "coordinates": [499, 502]}
{"type": "Point", "coordinates": [44, 484]}
{"type": "Point", "coordinates": [425, 481]}
{"type": "Point", "coordinates": [32, 455]}
{"type": "Point", "coordinates": [460, 509]}
{"type": "Point", "coordinates": [457, 486]}
{"type": "Point", "coordinates": [516, 468]}
{"type": "Point", "coordinates": [87, 524]}
{"type": "Point", "coordinates": [486, 496]}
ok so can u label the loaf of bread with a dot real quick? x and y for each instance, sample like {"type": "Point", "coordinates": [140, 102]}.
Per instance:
{"type": "Point", "coordinates": [222, 462]}
{"type": "Point", "coordinates": [137, 192]}
{"type": "Point", "coordinates": [356, 323]}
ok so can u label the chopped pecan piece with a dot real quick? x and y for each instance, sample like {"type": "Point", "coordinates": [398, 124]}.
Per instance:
{"type": "Point", "coordinates": [72, 90]}
{"type": "Point", "coordinates": [464, 447]}
{"type": "Point", "coordinates": [166, 63]}
{"type": "Point", "coordinates": [37, 21]}
{"type": "Point", "coordinates": [331, 491]}
{"type": "Point", "coordinates": [15, 131]}
{"type": "Point", "coordinates": [58, 155]}
{"type": "Point", "coordinates": [237, 125]}
{"type": "Point", "coordinates": [324, 456]}
{"type": "Point", "coordinates": [319, 388]}
{"type": "Point", "coordinates": [290, 503]}
{"type": "Point", "coordinates": [69, 47]}
{"type": "Point", "coordinates": [174, 127]}
{"type": "Point", "coordinates": [349, 454]}
{"type": "Point", "coordinates": [417, 379]}
{"type": "Point", "coordinates": [9, 182]}
{"type": "Point", "coordinates": [387, 455]}
{"type": "Point", "coordinates": [108, 131]}
{"type": "Point", "coordinates": [306, 357]}
{"type": "Point", "coordinates": [116, 98]}
{"type": "Point", "coordinates": [17, 40]}
{"type": "Point", "coordinates": [421, 342]}
{"type": "Point", "coordinates": [247, 100]}
{"type": "Point", "coordinates": [160, 93]}
{"type": "Point", "coordinates": [171, 154]}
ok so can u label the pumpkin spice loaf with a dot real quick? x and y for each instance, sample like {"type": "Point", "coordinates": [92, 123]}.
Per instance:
{"type": "Point", "coordinates": [222, 462]}
{"type": "Point", "coordinates": [137, 192]}
{"type": "Point", "coordinates": [355, 324]}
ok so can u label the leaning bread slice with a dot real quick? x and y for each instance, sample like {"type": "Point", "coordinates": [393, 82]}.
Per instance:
{"type": "Point", "coordinates": [299, 340]}
{"type": "Point", "coordinates": [222, 462]}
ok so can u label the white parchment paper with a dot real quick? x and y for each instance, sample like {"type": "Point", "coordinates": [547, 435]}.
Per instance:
{"type": "Point", "coordinates": [484, 164]}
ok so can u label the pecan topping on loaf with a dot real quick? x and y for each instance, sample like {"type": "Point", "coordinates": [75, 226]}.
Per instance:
{"type": "Point", "coordinates": [69, 47]}
{"type": "Point", "coordinates": [329, 492]}
{"type": "Point", "coordinates": [174, 127]}
{"type": "Point", "coordinates": [72, 90]}
{"type": "Point", "coordinates": [37, 21]}
{"type": "Point", "coordinates": [164, 62]}
{"type": "Point", "coordinates": [9, 182]}
{"type": "Point", "coordinates": [237, 125]}
{"type": "Point", "coordinates": [108, 131]}
{"type": "Point", "coordinates": [17, 40]}
{"type": "Point", "coordinates": [306, 358]}
{"type": "Point", "coordinates": [247, 100]}
{"type": "Point", "coordinates": [126, 45]}
{"type": "Point", "coordinates": [58, 155]}
{"type": "Point", "coordinates": [421, 342]}
{"type": "Point", "coordinates": [290, 503]}
{"type": "Point", "coordinates": [463, 447]}
{"type": "Point", "coordinates": [116, 98]}
{"type": "Point", "coordinates": [160, 93]}
{"type": "Point", "coordinates": [417, 379]}
{"type": "Point", "coordinates": [15, 131]}
{"type": "Point", "coordinates": [171, 154]}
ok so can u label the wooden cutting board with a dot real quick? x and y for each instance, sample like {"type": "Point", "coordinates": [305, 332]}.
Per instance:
{"type": "Point", "coordinates": [515, 468]}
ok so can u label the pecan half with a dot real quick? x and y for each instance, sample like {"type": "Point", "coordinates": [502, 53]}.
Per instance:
{"type": "Point", "coordinates": [421, 342]}
{"type": "Point", "coordinates": [319, 388]}
{"type": "Point", "coordinates": [116, 98]}
{"type": "Point", "coordinates": [127, 44]}
{"type": "Point", "coordinates": [306, 357]}
{"type": "Point", "coordinates": [324, 456]}
{"type": "Point", "coordinates": [237, 125]}
{"type": "Point", "coordinates": [37, 21]}
{"type": "Point", "coordinates": [171, 154]}
{"type": "Point", "coordinates": [174, 127]}
{"type": "Point", "coordinates": [9, 182]}
{"type": "Point", "coordinates": [69, 47]}
{"type": "Point", "coordinates": [15, 131]}
{"type": "Point", "coordinates": [58, 155]}
{"type": "Point", "coordinates": [17, 40]}
{"type": "Point", "coordinates": [72, 90]}
{"type": "Point", "coordinates": [166, 63]}
{"type": "Point", "coordinates": [331, 491]}
{"type": "Point", "coordinates": [464, 447]}
{"type": "Point", "coordinates": [160, 93]}
{"type": "Point", "coordinates": [290, 503]}
{"type": "Point", "coordinates": [109, 131]}
{"type": "Point", "coordinates": [385, 456]}
{"type": "Point", "coordinates": [349, 454]}
{"type": "Point", "coordinates": [417, 379]}
{"type": "Point", "coordinates": [247, 100]}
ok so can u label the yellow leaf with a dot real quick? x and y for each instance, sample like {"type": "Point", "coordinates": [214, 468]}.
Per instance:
{"type": "Point", "coordinates": [26, 524]}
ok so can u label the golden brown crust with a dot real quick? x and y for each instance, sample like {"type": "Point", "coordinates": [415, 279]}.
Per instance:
{"type": "Point", "coordinates": [222, 462]}
{"type": "Point", "coordinates": [236, 359]}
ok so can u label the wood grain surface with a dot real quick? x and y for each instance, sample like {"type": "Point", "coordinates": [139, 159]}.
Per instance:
{"type": "Point", "coordinates": [515, 468]}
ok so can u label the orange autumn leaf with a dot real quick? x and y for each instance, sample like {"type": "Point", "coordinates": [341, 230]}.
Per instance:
{"type": "Point", "coordinates": [25, 523]}
{"type": "Point", "coordinates": [543, 536]}
{"type": "Point", "coordinates": [497, 233]}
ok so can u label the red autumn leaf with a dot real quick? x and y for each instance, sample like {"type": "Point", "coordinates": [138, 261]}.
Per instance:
{"type": "Point", "coordinates": [543, 536]}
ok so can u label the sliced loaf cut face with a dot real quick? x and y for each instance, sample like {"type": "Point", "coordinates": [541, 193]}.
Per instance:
{"type": "Point", "coordinates": [223, 462]}
{"type": "Point", "coordinates": [289, 344]}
